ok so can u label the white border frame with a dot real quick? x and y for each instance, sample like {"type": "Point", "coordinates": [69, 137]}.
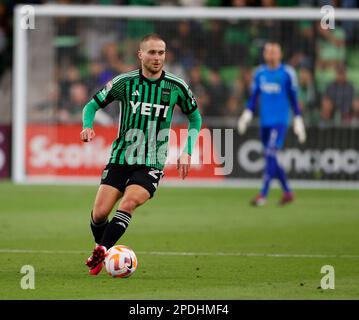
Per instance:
{"type": "Point", "coordinates": [166, 13]}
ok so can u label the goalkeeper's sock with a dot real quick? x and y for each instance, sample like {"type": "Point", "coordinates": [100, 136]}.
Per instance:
{"type": "Point", "coordinates": [282, 177]}
{"type": "Point", "coordinates": [269, 174]}
{"type": "Point", "coordinates": [98, 229]}
{"type": "Point", "coordinates": [115, 229]}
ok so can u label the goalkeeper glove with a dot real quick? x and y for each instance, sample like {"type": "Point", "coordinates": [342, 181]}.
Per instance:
{"type": "Point", "coordinates": [299, 130]}
{"type": "Point", "coordinates": [244, 120]}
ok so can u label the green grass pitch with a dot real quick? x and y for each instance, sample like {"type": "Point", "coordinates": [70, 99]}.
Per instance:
{"type": "Point", "coordinates": [191, 243]}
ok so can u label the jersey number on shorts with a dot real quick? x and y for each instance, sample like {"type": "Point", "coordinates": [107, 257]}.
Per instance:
{"type": "Point", "coordinates": [157, 174]}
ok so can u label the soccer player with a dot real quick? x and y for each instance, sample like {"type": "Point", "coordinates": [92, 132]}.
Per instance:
{"type": "Point", "coordinates": [147, 98]}
{"type": "Point", "coordinates": [274, 86]}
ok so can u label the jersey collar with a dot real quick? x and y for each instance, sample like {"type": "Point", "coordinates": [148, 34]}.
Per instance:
{"type": "Point", "coordinates": [152, 81]}
{"type": "Point", "coordinates": [275, 69]}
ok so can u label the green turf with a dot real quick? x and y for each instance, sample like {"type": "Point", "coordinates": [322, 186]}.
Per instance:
{"type": "Point", "coordinates": [56, 218]}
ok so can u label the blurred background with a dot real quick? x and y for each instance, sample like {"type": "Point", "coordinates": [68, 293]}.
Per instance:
{"type": "Point", "coordinates": [70, 58]}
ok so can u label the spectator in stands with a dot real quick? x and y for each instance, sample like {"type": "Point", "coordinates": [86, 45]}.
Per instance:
{"type": "Point", "coordinates": [5, 51]}
{"type": "Point", "coordinates": [214, 43]}
{"type": "Point", "coordinates": [45, 112]}
{"type": "Point", "coordinates": [218, 95]}
{"type": "Point", "coordinates": [185, 43]}
{"type": "Point", "coordinates": [239, 93]}
{"type": "Point", "coordinates": [306, 88]}
{"type": "Point", "coordinates": [67, 40]}
{"type": "Point", "coordinates": [71, 112]}
{"type": "Point", "coordinates": [199, 87]}
{"type": "Point", "coordinates": [68, 77]}
{"type": "Point", "coordinates": [113, 62]}
{"type": "Point", "coordinates": [302, 50]}
{"type": "Point", "coordinates": [234, 106]}
{"type": "Point", "coordinates": [2, 29]}
{"type": "Point", "coordinates": [237, 37]}
{"type": "Point", "coordinates": [349, 26]}
{"type": "Point", "coordinates": [331, 52]}
{"type": "Point", "coordinates": [173, 66]}
{"type": "Point", "coordinates": [74, 93]}
{"type": "Point", "coordinates": [3, 43]}
{"type": "Point", "coordinates": [94, 80]}
{"type": "Point", "coordinates": [307, 95]}
{"type": "Point", "coordinates": [355, 114]}
{"type": "Point", "coordinates": [331, 46]}
{"type": "Point", "coordinates": [268, 3]}
{"type": "Point", "coordinates": [337, 102]}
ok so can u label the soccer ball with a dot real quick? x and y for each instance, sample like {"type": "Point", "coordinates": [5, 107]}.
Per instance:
{"type": "Point", "coordinates": [120, 261]}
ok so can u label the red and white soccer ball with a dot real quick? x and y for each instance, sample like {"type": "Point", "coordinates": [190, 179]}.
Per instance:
{"type": "Point", "coordinates": [120, 261]}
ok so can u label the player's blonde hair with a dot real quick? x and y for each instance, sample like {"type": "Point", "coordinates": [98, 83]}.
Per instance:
{"type": "Point", "coordinates": [151, 36]}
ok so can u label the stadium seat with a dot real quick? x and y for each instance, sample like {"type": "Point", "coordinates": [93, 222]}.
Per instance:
{"type": "Point", "coordinates": [352, 58]}
{"type": "Point", "coordinates": [323, 77]}
{"type": "Point", "coordinates": [229, 74]}
{"type": "Point", "coordinates": [205, 71]}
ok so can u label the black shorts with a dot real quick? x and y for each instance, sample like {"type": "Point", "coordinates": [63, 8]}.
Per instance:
{"type": "Point", "coordinates": [122, 175]}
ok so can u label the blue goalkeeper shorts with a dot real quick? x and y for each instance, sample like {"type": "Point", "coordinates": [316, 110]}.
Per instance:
{"type": "Point", "coordinates": [273, 137]}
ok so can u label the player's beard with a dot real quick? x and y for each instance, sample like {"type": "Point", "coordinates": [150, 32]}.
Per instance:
{"type": "Point", "coordinates": [153, 69]}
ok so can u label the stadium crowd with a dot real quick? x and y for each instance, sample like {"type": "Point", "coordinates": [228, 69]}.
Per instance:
{"type": "Point", "coordinates": [217, 59]}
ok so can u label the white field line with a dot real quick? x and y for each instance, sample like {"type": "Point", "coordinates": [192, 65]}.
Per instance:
{"type": "Point", "coordinates": [169, 253]}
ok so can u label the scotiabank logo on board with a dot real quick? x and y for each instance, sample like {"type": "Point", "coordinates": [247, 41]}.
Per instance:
{"type": "Point", "coordinates": [56, 150]}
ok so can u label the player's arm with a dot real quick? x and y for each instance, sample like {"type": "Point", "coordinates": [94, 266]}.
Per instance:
{"type": "Point", "coordinates": [194, 127]}
{"type": "Point", "coordinates": [247, 114]}
{"type": "Point", "coordinates": [101, 99]}
{"type": "Point", "coordinates": [298, 123]}
{"type": "Point", "coordinates": [189, 107]}
{"type": "Point", "coordinates": [88, 115]}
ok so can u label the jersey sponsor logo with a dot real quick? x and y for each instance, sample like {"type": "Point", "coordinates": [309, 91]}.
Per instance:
{"type": "Point", "coordinates": [135, 93]}
{"type": "Point", "coordinates": [146, 108]}
{"type": "Point", "coordinates": [270, 87]}
{"type": "Point", "coordinates": [166, 94]}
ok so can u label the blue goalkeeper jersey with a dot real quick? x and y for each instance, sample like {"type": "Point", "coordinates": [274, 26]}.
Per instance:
{"type": "Point", "coordinates": [275, 90]}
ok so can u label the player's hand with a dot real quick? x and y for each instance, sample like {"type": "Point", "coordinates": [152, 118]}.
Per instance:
{"type": "Point", "coordinates": [299, 129]}
{"type": "Point", "coordinates": [87, 134]}
{"type": "Point", "coordinates": [183, 165]}
{"type": "Point", "coordinates": [244, 120]}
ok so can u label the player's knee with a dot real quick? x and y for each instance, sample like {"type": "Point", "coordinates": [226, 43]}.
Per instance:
{"type": "Point", "coordinates": [100, 213]}
{"type": "Point", "coordinates": [130, 204]}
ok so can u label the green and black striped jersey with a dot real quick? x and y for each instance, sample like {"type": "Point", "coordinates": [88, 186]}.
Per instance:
{"type": "Point", "coordinates": [146, 109]}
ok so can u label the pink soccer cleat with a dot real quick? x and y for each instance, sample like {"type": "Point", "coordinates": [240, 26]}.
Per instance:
{"type": "Point", "coordinates": [96, 261]}
{"type": "Point", "coordinates": [286, 198]}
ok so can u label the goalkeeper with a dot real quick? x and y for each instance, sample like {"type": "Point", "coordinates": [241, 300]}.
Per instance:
{"type": "Point", "coordinates": [274, 87]}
